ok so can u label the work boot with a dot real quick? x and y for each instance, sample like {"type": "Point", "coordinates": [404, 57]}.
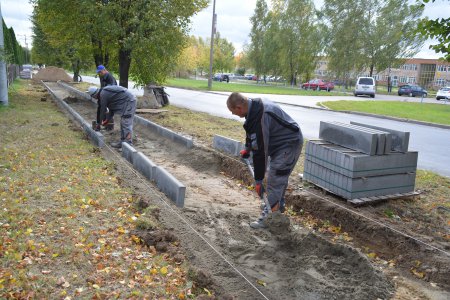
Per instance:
{"type": "Point", "coordinates": [261, 221]}
{"type": "Point", "coordinates": [116, 144]}
{"type": "Point", "coordinates": [109, 126]}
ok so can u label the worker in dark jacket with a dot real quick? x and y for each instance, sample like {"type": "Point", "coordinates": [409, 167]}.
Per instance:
{"type": "Point", "coordinates": [274, 139]}
{"type": "Point", "coordinates": [106, 79]}
{"type": "Point", "coordinates": [116, 100]}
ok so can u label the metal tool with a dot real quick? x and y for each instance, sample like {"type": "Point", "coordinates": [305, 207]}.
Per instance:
{"type": "Point", "coordinates": [264, 197]}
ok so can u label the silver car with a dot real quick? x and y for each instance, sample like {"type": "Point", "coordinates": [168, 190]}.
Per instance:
{"type": "Point", "coordinates": [443, 93]}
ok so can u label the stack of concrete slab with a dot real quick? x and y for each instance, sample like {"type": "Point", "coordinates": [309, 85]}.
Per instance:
{"type": "Point", "coordinates": [358, 161]}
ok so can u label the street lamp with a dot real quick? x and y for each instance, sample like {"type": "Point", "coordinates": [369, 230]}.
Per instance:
{"type": "Point", "coordinates": [211, 50]}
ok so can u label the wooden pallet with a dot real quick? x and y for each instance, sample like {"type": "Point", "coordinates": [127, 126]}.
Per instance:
{"type": "Point", "coordinates": [375, 199]}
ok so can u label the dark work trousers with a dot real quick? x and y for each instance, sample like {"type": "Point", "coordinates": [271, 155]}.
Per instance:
{"type": "Point", "coordinates": [282, 162]}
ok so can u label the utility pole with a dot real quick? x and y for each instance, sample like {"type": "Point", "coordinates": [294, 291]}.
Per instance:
{"type": "Point", "coordinates": [3, 78]}
{"type": "Point", "coordinates": [26, 48]}
{"type": "Point", "coordinates": [211, 50]}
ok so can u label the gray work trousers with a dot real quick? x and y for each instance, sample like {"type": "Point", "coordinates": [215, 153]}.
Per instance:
{"type": "Point", "coordinates": [282, 162]}
{"type": "Point", "coordinates": [126, 122]}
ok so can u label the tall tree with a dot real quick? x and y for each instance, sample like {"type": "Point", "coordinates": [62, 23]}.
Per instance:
{"type": "Point", "coordinates": [390, 28]}
{"type": "Point", "coordinates": [149, 33]}
{"type": "Point", "coordinates": [437, 29]}
{"type": "Point", "coordinates": [299, 38]}
{"type": "Point", "coordinates": [257, 53]}
{"type": "Point", "coordinates": [223, 54]}
{"type": "Point", "coordinates": [379, 32]}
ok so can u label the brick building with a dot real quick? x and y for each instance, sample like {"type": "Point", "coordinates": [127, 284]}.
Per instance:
{"type": "Point", "coordinates": [429, 73]}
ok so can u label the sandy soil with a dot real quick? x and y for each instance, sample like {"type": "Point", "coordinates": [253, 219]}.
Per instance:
{"type": "Point", "coordinates": [288, 263]}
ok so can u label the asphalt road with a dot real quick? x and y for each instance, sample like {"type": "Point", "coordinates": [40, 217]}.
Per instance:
{"type": "Point", "coordinates": [433, 143]}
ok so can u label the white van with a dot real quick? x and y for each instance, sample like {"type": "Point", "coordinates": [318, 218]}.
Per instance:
{"type": "Point", "coordinates": [365, 86]}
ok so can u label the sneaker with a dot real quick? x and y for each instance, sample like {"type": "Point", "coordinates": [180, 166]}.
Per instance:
{"type": "Point", "coordinates": [116, 144]}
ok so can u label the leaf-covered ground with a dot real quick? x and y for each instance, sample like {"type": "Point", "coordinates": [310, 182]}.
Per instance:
{"type": "Point", "coordinates": [65, 220]}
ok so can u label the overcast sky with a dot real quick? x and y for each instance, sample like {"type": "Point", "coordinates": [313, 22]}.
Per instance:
{"type": "Point", "coordinates": [233, 20]}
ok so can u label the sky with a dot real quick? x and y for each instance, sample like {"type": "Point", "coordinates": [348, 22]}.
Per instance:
{"type": "Point", "coordinates": [233, 20]}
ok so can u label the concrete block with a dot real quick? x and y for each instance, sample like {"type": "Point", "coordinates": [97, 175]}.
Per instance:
{"type": "Point", "coordinates": [128, 152]}
{"type": "Point", "coordinates": [356, 164]}
{"type": "Point", "coordinates": [167, 133]}
{"type": "Point", "coordinates": [352, 138]}
{"type": "Point", "coordinates": [144, 165]}
{"type": "Point", "coordinates": [170, 186]}
{"type": "Point", "coordinates": [360, 187]}
{"type": "Point", "coordinates": [228, 145]}
{"type": "Point", "coordinates": [400, 139]}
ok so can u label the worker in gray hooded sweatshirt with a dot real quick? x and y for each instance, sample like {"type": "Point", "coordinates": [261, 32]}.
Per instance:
{"type": "Point", "coordinates": [275, 140]}
{"type": "Point", "coordinates": [118, 100]}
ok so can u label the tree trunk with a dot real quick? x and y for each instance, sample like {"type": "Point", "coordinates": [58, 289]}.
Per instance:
{"type": "Point", "coordinates": [76, 70]}
{"type": "Point", "coordinates": [371, 70]}
{"type": "Point", "coordinates": [148, 100]}
{"type": "Point", "coordinates": [124, 67]}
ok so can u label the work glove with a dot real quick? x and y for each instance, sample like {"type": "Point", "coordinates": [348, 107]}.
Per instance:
{"type": "Point", "coordinates": [105, 122]}
{"type": "Point", "coordinates": [244, 153]}
{"type": "Point", "coordinates": [259, 188]}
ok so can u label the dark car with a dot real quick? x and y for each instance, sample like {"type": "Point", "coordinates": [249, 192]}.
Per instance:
{"type": "Point", "coordinates": [318, 84]}
{"type": "Point", "coordinates": [412, 91]}
{"type": "Point", "coordinates": [221, 77]}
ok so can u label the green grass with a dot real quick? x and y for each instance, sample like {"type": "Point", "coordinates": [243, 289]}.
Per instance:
{"type": "Point", "coordinates": [434, 113]}
{"type": "Point", "coordinates": [65, 215]}
{"type": "Point", "coordinates": [244, 87]}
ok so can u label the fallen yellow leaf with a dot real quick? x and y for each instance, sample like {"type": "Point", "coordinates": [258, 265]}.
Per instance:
{"type": "Point", "coordinates": [163, 270]}
{"type": "Point", "coordinates": [260, 282]}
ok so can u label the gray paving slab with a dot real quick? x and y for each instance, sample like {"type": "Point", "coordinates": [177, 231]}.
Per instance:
{"type": "Point", "coordinates": [353, 188]}
{"type": "Point", "coordinates": [400, 139]}
{"type": "Point", "coordinates": [167, 133]}
{"type": "Point", "coordinates": [356, 164]}
{"type": "Point", "coordinates": [349, 137]}
{"type": "Point", "coordinates": [170, 186]}
{"type": "Point", "coordinates": [227, 145]}
{"type": "Point", "coordinates": [128, 152]}
{"type": "Point", "coordinates": [144, 165]}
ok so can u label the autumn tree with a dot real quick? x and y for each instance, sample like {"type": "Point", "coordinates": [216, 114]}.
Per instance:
{"type": "Point", "coordinates": [369, 35]}
{"type": "Point", "coordinates": [298, 38]}
{"type": "Point", "coordinates": [257, 51]}
{"type": "Point", "coordinates": [141, 37]}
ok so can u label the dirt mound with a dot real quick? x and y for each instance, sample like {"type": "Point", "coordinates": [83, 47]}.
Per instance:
{"type": "Point", "coordinates": [52, 74]}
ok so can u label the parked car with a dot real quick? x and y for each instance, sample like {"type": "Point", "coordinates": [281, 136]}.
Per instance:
{"type": "Point", "coordinates": [221, 77]}
{"type": "Point", "coordinates": [412, 91]}
{"type": "Point", "coordinates": [249, 76]}
{"type": "Point", "coordinates": [365, 86]}
{"type": "Point", "coordinates": [26, 72]}
{"type": "Point", "coordinates": [443, 93]}
{"type": "Point", "coordinates": [318, 84]}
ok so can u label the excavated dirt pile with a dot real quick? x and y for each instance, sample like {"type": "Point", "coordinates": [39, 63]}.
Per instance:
{"type": "Point", "coordinates": [52, 74]}
{"type": "Point", "coordinates": [286, 262]}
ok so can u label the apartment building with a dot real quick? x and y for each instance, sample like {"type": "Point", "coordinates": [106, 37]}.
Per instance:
{"type": "Point", "coordinates": [429, 73]}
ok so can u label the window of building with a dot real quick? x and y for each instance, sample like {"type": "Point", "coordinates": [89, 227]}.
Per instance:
{"type": "Point", "coordinates": [403, 79]}
{"type": "Point", "coordinates": [411, 79]}
{"type": "Point", "coordinates": [442, 68]}
{"type": "Point", "coordinates": [440, 82]}
{"type": "Point", "coordinates": [409, 67]}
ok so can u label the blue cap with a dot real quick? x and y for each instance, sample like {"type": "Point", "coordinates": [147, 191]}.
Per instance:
{"type": "Point", "coordinates": [100, 67]}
